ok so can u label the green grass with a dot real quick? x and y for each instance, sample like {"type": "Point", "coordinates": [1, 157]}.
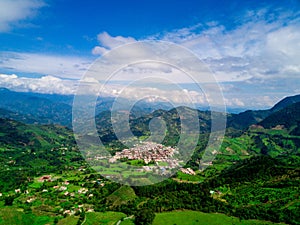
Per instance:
{"type": "Point", "coordinates": [136, 162]}
{"type": "Point", "coordinates": [121, 196]}
{"type": "Point", "coordinates": [36, 184]}
{"type": "Point", "coordinates": [163, 163]}
{"type": "Point", "coordinates": [69, 220]}
{"type": "Point", "coordinates": [127, 222]}
{"type": "Point", "coordinates": [14, 216]}
{"type": "Point", "coordinates": [107, 218]}
{"type": "Point", "coordinates": [188, 177]}
{"type": "Point", "coordinates": [193, 217]}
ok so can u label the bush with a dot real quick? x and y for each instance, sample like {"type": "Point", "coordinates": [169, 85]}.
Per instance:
{"type": "Point", "coordinates": [144, 217]}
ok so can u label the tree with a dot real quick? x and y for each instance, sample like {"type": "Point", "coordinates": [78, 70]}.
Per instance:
{"type": "Point", "coordinates": [8, 201]}
{"type": "Point", "coordinates": [55, 220]}
{"type": "Point", "coordinates": [81, 217]}
{"type": "Point", "coordinates": [144, 217]}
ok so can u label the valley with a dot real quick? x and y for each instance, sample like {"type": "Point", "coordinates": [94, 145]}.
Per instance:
{"type": "Point", "coordinates": [254, 178]}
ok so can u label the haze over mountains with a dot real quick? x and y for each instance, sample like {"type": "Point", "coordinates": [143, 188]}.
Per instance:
{"type": "Point", "coordinates": [57, 109]}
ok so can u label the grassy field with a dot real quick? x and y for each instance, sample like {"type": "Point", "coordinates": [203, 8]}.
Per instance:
{"type": "Point", "coordinates": [192, 218]}
{"type": "Point", "coordinates": [107, 218]}
{"type": "Point", "coordinates": [127, 222]}
{"type": "Point", "coordinates": [69, 220]}
{"type": "Point", "coordinates": [187, 177]}
{"type": "Point", "coordinates": [14, 216]}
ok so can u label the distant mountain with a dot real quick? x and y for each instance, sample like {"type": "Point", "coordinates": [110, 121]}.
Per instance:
{"type": "Point", "coordinates": [17, 116]}
{"type": "Point", "coordinates": [31, 105]}
{"type": "Point", "coordinates": [289, 117]}
{"type": "Point", "coordinates": [139, 126]}
{"type": "Point", "coordinates": [39, 108]}
{"type": "Point", "coordinates": [245, 119]}
{"type": "Point", "coordinates": [57, 109]}
{"type": "Point", "coordinates": [241, 121]}
{"type": "Point", "coordinates": [285, 102]}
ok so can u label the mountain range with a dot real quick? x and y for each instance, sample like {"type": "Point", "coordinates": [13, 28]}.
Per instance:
{"type": "Point", "coordinates": [255, 173]}
{"type": "Point", "coordinates": [35, 108]}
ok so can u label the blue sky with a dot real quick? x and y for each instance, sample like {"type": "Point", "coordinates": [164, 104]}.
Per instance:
{"type": "Point", "coordinates": [252, 46]}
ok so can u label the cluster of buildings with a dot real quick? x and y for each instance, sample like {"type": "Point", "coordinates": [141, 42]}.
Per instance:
{"type": "Point", "coordinates": [188, 171]}
{"type": "Point", "coordinates": [148, 151]}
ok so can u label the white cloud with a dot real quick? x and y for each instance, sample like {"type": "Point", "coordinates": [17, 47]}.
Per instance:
{"type": "Point", "coordinates": [98, 50]}
{"type": "Point", "coordinates": [60, 66]}
{"type": "Point", "coordinates": [236, 102]}
{"type": "Point", "coordinates": [109, 42]}
{"type": "Point", "coordinates": [260, 52]}
{"type": "Point", "coordinates": [45, 84]}
{"type": "Point", "coordinates": [263, 50]}
{"type": "Point", "coordinates": [13, 12]}
{"type": "Point", "coordinates": [257, 49]}
{"type": "Point", "coordinates": [283, 49]}
{"type": "Point", "coordinates": [50, 84]}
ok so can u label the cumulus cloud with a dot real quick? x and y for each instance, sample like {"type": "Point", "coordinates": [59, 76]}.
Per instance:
{"type": "Point", "coordinates": [108, 42]}
{"type": "Point", "coordinates": [255, 56]}
{"type": "Point", "coordinates": [46, 84]}
{"type": "Point", "coordinates": [12, 12]}
{"type": "Point", "coordinates": [60, 66]}
{"type": "Point", "coordinates": [98, 50]}
{"type": "Point", "coordinates": [256, 62]}
{"type": "Point", "coordinates": [260, 57]}
{"type": "Point", "coordinates": [257, 49]}
{"type": "Point", "coordinates": [50, 84]}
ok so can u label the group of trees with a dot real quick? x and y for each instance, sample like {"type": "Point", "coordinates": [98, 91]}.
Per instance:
{"type": "Point", "coordinates": [171, 195]}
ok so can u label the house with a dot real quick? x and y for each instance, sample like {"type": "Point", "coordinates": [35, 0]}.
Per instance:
{"type": "Point", "coordinates": [82, 190]}
{"type": "Point", "coordinates": [45, 178]}
{"type": "Point", "coordinates": [63, 188]}
{"type": "Point", "coordinates": [30, 200]}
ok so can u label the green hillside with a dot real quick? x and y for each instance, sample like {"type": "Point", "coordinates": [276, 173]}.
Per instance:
{"type": "Point", "coordinates": [193, 218]}
{"type": "Point", "coordinates": [121, 196]}
{"type": "Point", "coordinates": [254, 177]}
{"type": "Point", "coordinates": [30, 150]}
{"type": "Point", "coordinates": [288, 117]}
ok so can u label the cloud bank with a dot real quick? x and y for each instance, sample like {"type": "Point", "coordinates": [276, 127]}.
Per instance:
{"type": "Point", "coordinates": [36, 63]}
{"type": "Point", "coordinates": [258, 57]}
{"type": "Point", "coordinates": [256, 61]}
{"type": "Point", "coordinates": [46, 84]}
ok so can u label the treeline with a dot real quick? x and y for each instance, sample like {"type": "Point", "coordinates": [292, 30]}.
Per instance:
{"type": "Point", "coordinates": [171, 195]}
